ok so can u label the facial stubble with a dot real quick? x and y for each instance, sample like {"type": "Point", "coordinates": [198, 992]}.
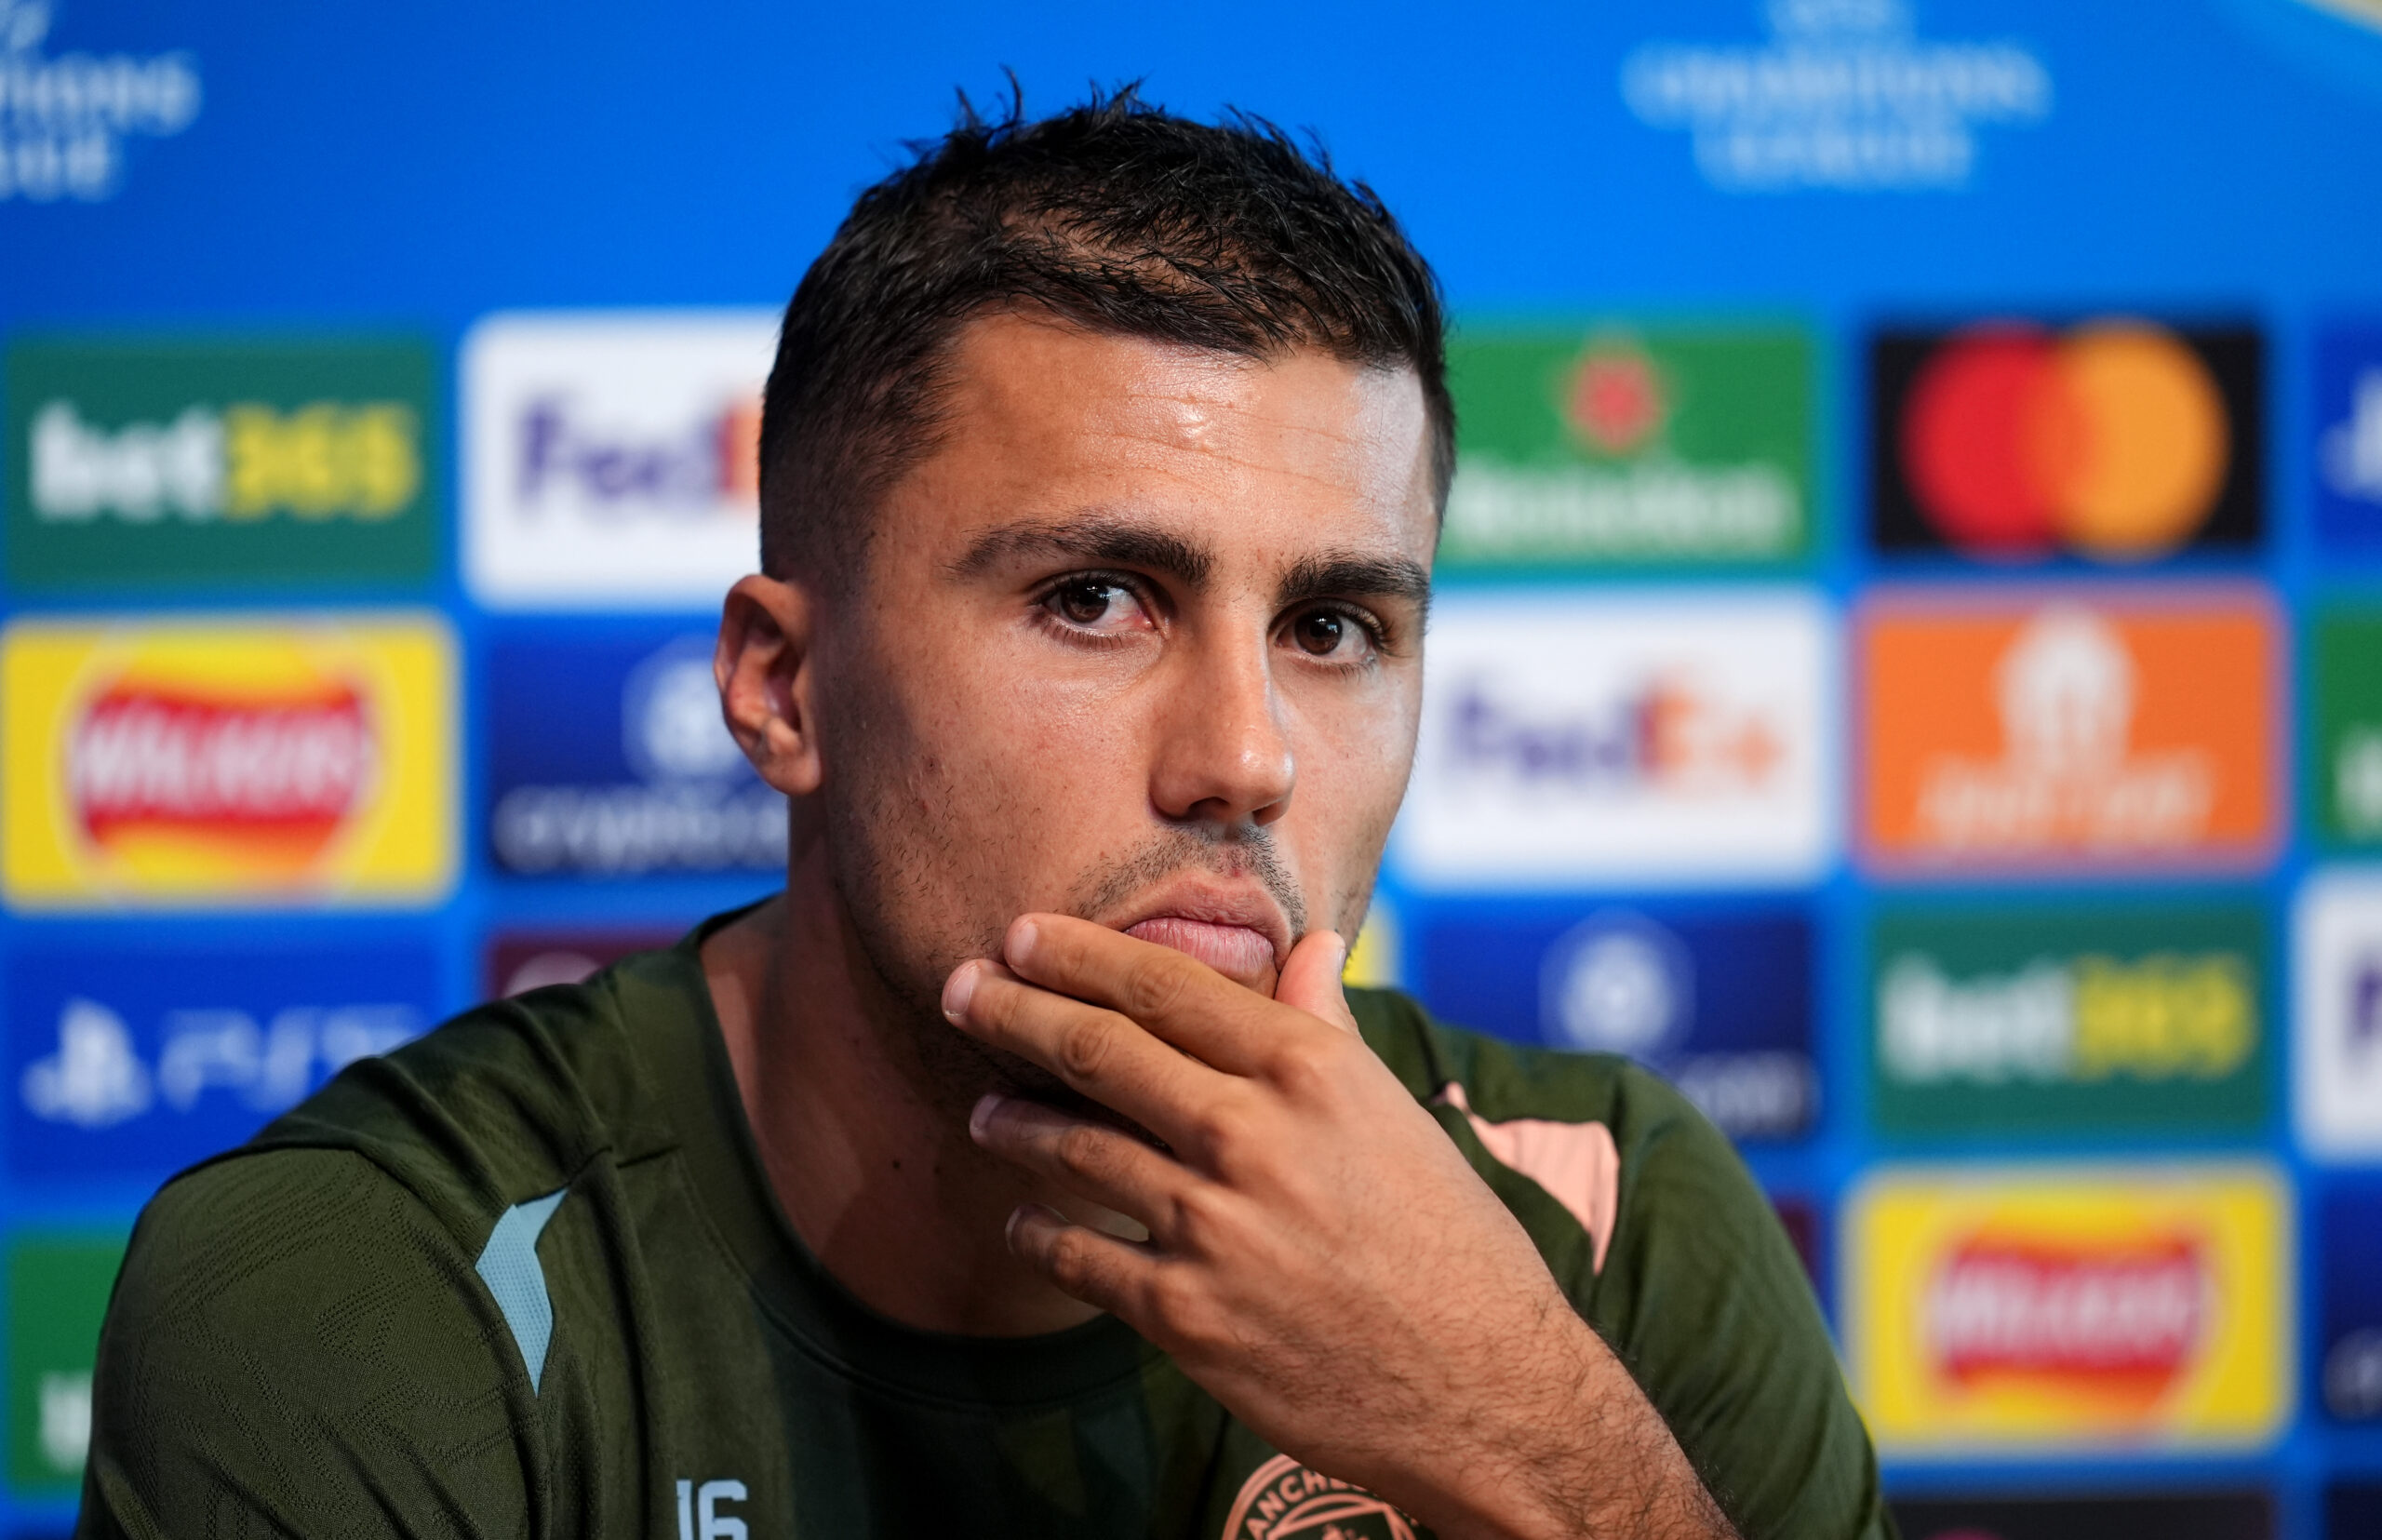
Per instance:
{"type": "Point", "coordinates": [881, 880]}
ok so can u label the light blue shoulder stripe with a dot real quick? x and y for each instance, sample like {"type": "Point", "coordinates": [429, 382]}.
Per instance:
{"type": "Point", "coordinates": [509, 1265]}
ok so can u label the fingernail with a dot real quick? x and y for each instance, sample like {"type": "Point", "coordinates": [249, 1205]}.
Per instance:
{"type": "Point", "coordinates": [1022, 937]}
{"type": "Point", "coordinates": [959, 989]}
{"type": "Point", "coordinates": [1020, 1213]}
{"type": "Point", "coordinates": [980, 1114]}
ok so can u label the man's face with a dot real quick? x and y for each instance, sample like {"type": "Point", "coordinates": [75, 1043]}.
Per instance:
{"type": "Point", "coordinates": [1140, 641]}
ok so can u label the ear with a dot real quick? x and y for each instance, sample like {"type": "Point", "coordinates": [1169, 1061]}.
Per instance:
{"type": "Point", "coordinates": [763, 665]}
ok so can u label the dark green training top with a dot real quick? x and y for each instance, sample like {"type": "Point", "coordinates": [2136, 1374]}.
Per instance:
{"type": "Point", "coordinates": [525, 1276]}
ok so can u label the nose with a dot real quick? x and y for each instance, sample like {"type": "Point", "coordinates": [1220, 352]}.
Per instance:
{"type": "Point", "coordinates": [1224, 757]}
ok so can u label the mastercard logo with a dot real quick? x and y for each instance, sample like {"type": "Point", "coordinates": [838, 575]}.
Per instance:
{"type": "Point", "coordinates": [2118, 440]}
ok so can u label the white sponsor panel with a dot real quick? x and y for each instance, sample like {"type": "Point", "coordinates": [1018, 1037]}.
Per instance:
{"type": "Point", "coordinates": [1624, 736]}
{"type": "Point", "coordinates": [2337, 1018]}
{"type": "Point", "coordinates": [609, 458]}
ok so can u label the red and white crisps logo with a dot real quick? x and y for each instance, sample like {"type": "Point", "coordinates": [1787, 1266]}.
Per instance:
{"type": "Point", "coordinates": [2119, 1322]}
{"type": "Point", "coordinates": [271, 776]}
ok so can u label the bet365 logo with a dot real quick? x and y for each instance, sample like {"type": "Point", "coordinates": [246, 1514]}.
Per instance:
{"type": "Point", "coordinates": [160, 462]}
{"type": "Point", "coordinates": [324, 460]}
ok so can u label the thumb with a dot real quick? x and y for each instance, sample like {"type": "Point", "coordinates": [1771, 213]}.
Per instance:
{"type": "Point", "coordinates": [1311, 978]}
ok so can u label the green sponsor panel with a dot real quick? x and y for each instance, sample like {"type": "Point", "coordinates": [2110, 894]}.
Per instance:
{"type": "Point", "coordinates": [58, 1297]}
{"type": "Point", "coordinates": [2069, 1020]}
{"type": "Point", "coordinates": [2345, 760]}
{"type": "Point", "coordinates": [1631, 447]}
{"type": "Point", "coordinates": [156, 464]}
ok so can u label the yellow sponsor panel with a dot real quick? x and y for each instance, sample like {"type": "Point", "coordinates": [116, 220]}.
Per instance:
{"type": "Point", "coordinates": [2101, 1307]}
{"type": "Point", "coordinates": [193, 760]}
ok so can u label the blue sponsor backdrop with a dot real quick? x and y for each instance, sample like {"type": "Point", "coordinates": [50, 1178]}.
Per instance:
{"type": "Point", "coordinates": [2353, 1510]}
{"type": "Point", "coordinates": [275, 167]}
{"type": "Point", "coordinates": [2348, 1362]}
{"type": "Point", "coordinates": [1718, 1000]}
{"type": "Point", "coordinates": [607, 759]}
{"type": "Point", "coordinates": [2348, 451]}
{"type": "Point", "coordinates": [133, 1062]}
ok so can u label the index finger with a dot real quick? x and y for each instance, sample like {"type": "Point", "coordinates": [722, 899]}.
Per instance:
{"type": "Point", "coordinates": [1174, 998]}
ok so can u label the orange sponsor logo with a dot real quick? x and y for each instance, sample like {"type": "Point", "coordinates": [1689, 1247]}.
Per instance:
{"type": "Point", "coordinates": [2061, 728]}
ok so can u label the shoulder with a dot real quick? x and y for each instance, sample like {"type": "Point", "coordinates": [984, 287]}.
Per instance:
{"type": "Point", "coordinates": [1666, 1245]}
{"type": "Point", "coordinates": [1559, 1112]}
{"type": "Point", "coordinates": [511, 1100]}
{"type": "Point", "coordinates": [1504, 1080]}
{"type": "Point", "coordinates": [1626, 1156]}
{"type": "Point", "coordinates": [259, 1238]}
{"type": "Point", "coordinates": [298, 1299]}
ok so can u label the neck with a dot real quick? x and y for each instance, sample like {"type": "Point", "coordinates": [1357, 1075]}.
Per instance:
{"type": "Point", "coordinates": [866, 1148]}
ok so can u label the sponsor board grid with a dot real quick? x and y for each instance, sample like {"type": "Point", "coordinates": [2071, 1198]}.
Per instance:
{"type": "Point", "coordinates": [191, 466]}
{"type": "Point", "coordinates": [2255, 889]}
{"type": "Point", "coordinates": [1816, 1164]}
{"type": "Point", "coordinates": [1696, 156]}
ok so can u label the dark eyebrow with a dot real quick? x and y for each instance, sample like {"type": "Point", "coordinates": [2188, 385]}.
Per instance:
{"type": "Point", "coordinates": [1345, 575]}
{"type": "Point", "coordinates": [1094, 538]}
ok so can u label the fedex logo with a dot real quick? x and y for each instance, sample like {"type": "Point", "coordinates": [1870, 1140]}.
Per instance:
{"type": "Point", "coordinates": [611, 459]}
{"type": "Point", "coordinates": [1684, 736]}
{"type": "Point", "coordinates": [2337, 1023]}
{"type": "Point", "coordinates": [1669, 730]}
{"type": "Point", "coordinates": [567, 456]}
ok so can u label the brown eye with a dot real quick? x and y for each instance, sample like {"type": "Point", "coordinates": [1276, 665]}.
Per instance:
{"type": "Point", "coordinates": [1319, 632]}
{"type": "Point", "coordinates": [1085, 603]}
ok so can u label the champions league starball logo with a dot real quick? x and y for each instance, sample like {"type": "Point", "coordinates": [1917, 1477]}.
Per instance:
{"type": "Point", "coordinates": [1616, 983]}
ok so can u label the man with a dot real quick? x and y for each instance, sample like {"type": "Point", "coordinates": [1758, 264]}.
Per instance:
{"type": "Point", "coordinates": [1022, 1168]}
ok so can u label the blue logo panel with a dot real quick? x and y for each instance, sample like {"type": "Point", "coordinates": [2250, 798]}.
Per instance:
{"type": "Point", "coordinates": [608, 758]}
{"type": "Point", "coordinates": [138, 1061]}
{"type": "Point", "coordinates": [2088, 1515]}
{"type": "Point", "coordinates": [2353, 1510]}
{"type": "Point", "coordinates": [2348, 440]}
{"type": "Point", "coordinates": [2349, 1362]}
{"type": "Point", "coordinates": [1720, 1001]}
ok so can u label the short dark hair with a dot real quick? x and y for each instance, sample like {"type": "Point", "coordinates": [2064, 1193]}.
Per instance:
{"type": "Point", "coordinates": [1116, 216]}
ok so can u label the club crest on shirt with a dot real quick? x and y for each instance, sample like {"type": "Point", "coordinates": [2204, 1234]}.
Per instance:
{"type": "Point", "coordinates": [1283, 1499]}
